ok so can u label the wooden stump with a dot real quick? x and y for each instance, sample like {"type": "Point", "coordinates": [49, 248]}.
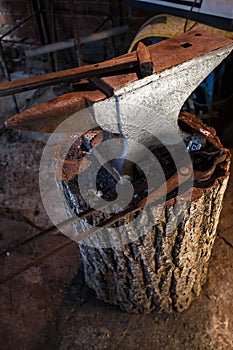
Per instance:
{"type": "Point", "coordinates": [165, 267]}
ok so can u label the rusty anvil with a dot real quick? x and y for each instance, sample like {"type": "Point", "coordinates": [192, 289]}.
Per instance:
{"type": "Point", "coordinates": [161, 77]}
{"type": "Point", "coordinates": [138, 95]}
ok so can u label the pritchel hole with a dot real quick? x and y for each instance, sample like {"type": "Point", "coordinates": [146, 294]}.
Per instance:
{"type": "Point", "coordinates": [197, 34]}
{"type": "Point", "coordinates": [185, 45]}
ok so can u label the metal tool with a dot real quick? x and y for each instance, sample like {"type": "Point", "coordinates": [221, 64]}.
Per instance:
{"type": "Point", "coordinates": [177, 65]}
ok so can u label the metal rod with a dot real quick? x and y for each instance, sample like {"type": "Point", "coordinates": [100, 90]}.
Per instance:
{"type": "Point", "coordinates": [170, 185]}
{"type": "Point", "coordinates": [50, 230]}
{"type": "Point", "coordinates": [54, 34]}
{"type": "Point", "coordinates": [18, 25]}
{"type": "Point", "coordinates": [77, 42]}
{"type": "Point", "coordinates": [102, 86]}
{"type": "Point", "coordinates": [171, 182]}
{"type": "Point", "coordinates": [42, 26]}
{"type": "Point", "coordinates": [62, 45]}
{"type": "Point", "coordinates": [68, 243]}
{"type": "Point", "coordinates": [198, 48]}
{"type": "Point", "coordinates": [69, 75]}
{"type": "Point", "coordinates": [7, 76]}
{"type": "Point", "coordinates": [37, 9]}
{"type": "Point", "coordinates": [102, 24]}
{"type": "Point", "coordinates": [38, 260]}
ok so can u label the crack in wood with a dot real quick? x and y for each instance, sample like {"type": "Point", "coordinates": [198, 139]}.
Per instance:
{"type": "Point", "coordinates": [225, 241]}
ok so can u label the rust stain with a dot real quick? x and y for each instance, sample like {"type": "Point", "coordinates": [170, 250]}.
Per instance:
{"type": "Point", "coordinates": [182, 48]}
{"type": "Point", "coordinates": [47, 116]}
{"type": "Point", "coordinates": [116, 81]}
{"type": "Point", "coordinates": [70, 160]}
{"type": "Point", "coordinates": [200, 178]}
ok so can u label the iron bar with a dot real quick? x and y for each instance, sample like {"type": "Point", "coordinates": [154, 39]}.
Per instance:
{"type": "Point", "coordinates": [42, 26]}
{"type": "Point", "coordinates": [172, 183]}
{"type": "Point", "coordinates": [37, 260]}
{"type": "Point", "coordinates": [200, 42]}
{"type": "Point", "coordinates": [85, 234]}
{"type": "Point", "coordinates": [50, 230]}
{"type": "Point", "coordinates": [77, 42]}
{"type": "Point", "coordinates": [67, 44]}
{"type": "Point", "coordinates": [69, 75]}
{"type": "Point", "coordinates": [54, 33]}
{"type": "Point", "coordinates": [18, 25]}
{"type": "Point", "coordinates": [102, 24]}
{"type": "Point", "coordinates": [153, 197]}
{"type": "Point", "coordinates": [7, 76]}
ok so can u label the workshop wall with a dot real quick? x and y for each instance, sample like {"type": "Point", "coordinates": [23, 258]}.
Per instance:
{"type": "Point", "coordinates": [89, 15]}
{"type": "Point", "coordinates": [61, 19]}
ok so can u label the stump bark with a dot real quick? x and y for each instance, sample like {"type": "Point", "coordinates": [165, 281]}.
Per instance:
{"type": "Point", "coordinates": [165, 267]}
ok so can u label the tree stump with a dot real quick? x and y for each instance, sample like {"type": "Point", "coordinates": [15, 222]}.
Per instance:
{"type": "Point", "coordinates": [162, 268]}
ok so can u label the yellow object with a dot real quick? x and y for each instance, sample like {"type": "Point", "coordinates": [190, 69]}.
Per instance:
{"type": "Point", "coordinates": [167, 26]}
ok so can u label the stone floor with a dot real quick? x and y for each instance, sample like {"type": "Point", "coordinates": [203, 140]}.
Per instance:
{"type": "Point", "coordinates": [49, 307]}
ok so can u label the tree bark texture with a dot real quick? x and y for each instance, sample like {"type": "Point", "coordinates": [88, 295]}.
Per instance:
{"type": "Point", "coordinates": [164, 268]}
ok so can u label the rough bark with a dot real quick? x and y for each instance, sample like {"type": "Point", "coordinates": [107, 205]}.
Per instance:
{"type": "Point", "coordinates": [165, 267]}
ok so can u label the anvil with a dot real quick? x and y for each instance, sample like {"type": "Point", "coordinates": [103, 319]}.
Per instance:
{"type": "Point", "coordinates": [143, 102]}
{"type": "Point", "coordinates": [138, 95]}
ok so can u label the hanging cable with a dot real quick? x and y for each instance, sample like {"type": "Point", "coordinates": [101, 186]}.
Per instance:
{"type": "Point", "coordinates": [188, 17]}
{"type": "Point", "coordinates": [214, 103]}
